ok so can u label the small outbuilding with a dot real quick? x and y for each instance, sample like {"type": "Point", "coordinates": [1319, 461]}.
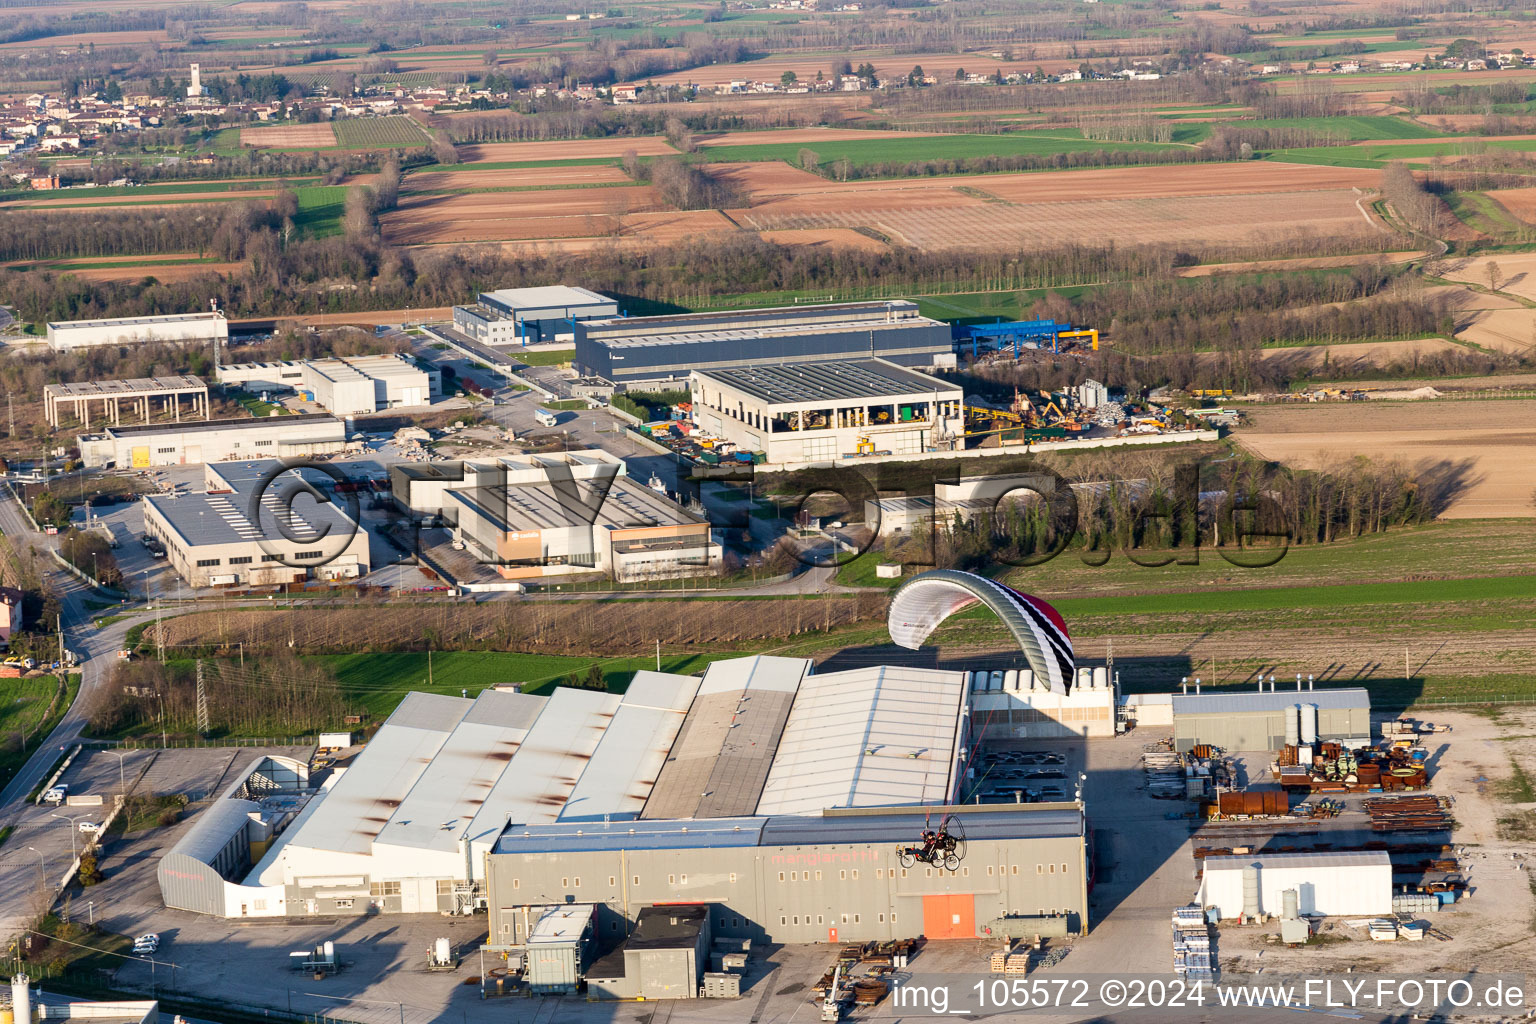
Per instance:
{"type": "Point", "coordinates": [1328, 884]}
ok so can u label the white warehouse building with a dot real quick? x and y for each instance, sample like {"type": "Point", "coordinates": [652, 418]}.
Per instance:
{"type": "Point", "coordinates": [802, 413]}
{"type": "Point", "coordinates": [65, 335]}
{"type": "Point", "coordinates": [1329, 884]}
{"type": "Point", "coordinates": [526, 316]}
{"type": "Point", "coordinates": [349, 386]}
{"type": "Point", "coordinates": [179, 444]}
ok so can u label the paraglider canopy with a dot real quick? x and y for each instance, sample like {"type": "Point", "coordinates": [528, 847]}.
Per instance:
{"type": "Point", "coordinates": [927, 599]}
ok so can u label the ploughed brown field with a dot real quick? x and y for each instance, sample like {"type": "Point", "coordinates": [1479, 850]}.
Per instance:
{"type": "Point", "coordinates": [1188, 204]}
{"type": "Point", "coordinates": [521, 216]}
{"type": "Point", "coordinates": [564, 149]}
{"type": "Point", "coordinates": [288, 135]}
{"type": "Point", "coordinates": [1493, 446]}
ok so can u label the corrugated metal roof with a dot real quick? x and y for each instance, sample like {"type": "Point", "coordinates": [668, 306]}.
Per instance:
{"type": "Point", "coordinates": [560, 925]}
{"type": "Point", "coordinates": [536, 782]}
{"type": "Point", "coordinates": [569, 837]}
{"type": "Point", "coordinates": [1279, 700]}
{"type": "Point", "coordinates": [365, 797]}
{"type": "Point", "coordinates": [759, 672]}
{"type": "Point", "coordinates": [1363, 858]}
{"type": "Point", "coordinates": [214, 828]}
{"type": "Point", "coordinates": [623, 769]}
{"type": "Point", "coordinates": [1014, 821]}
{"type": "Point", "coordinates": [449, 793]}
{"type": "Point", "coordinates": [829, 380]}
{"type": "Point", "coordinates": [869, 737]}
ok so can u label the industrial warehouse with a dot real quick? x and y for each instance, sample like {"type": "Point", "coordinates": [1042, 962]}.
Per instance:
{"type": "Point", "coordinates": [179, 328]}
{"type": "Point", "coordinates": [529, 316]}
{"type": "Point", "coordinates": [351, 386]}
{"type": "Point", "coordinates": [149, 445]}
{"type": "Point", "coordinates": [698, 784]}
{"type": "Point", "coordinates": [625, 350]}
{"type": "Point", "coordinates": [826, 409]}
{"type": "Point", "coordinates": [557, 513]}
{"type": "Point", "coordinates": [256, 524]}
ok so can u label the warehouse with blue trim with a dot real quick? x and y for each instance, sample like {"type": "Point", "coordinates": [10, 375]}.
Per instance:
{"type": "Point", "coordinates": [654, 348]}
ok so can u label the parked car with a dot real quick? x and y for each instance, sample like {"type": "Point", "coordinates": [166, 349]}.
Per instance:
{"type": "Point", "coordinates": [146, 943]}
{"type": "Point", "coordinates": [89, 827]}
{"type": "Point", "coordinates": [56, 795]}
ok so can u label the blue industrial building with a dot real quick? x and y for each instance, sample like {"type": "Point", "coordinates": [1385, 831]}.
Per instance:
{"type": "Point", "coordinates": [629, 349]}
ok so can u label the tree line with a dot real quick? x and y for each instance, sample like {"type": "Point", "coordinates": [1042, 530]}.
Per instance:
{"type": "Point", "coordinates": [844, 169]}
{"type": "Point", "coordinates": [277, 694]}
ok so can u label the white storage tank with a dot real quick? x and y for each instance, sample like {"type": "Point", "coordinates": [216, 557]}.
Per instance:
{"type": "Point", "coordinates": [1101, 678]}
{"type": "Point", "coordinates": [1026, 679]}
{"type": "Point", "coordinates": [1011, 680]}
{"type": "Point", "coordinates": [1309, 724]}
{"type": "Point", "coordinates": [1293, 725]}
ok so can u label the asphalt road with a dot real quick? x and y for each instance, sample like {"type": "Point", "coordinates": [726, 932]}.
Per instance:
{"type": "Point", "coordinates": [97, 649]}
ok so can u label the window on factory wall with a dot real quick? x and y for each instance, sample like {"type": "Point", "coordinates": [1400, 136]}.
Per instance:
{"type": "Point", "coordinates": [636, 881]}
{"type": "Point", "coordinates": [685, 880]}
{"type": "Point", "coordinates": [271, 558]}
{"type": "Point", "coordinates": [309, 554]}
{"type": "Point", "coordinates": [671, 879]}
{"type": "Point", "coordinates": [384, 888]}
{"type": "Point", "coordinates": [445, 887]}
{"type": "Point", "coordinates": [343, 904]}
{"type": "Point", "coordinates": [242, 560]}
{"type": "Point", "coordinates": [565, 883]}
{"type": "Point", "coordinates": [733, 878]}
{"type": "Point", "coordinates": [783, 919]}
{"type": "Point", "coordinates": [855, 874]}
{"type": "Point", "coordinates": [818, 876]}
{"type": "Point", "coordinates": [203, 563]}
{"type": "Point", "coordinates": [842, 874]}
{"type": "Point", "coordinates": [612, 881]}
{"type": "Point", "coordinates": [735, 922]}
{"type": "Point", "coordinates": [517, 883]}
{"type": "Point", "coordinates": [1063, 869]}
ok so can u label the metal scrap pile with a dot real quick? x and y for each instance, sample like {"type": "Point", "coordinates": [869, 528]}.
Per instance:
{"type": "Point", "coordinates": [1408, 814]}
{"type": "Point", "coordinates": [1110, 414]}
{"type": "Point", "coordinates": [1164, 771]}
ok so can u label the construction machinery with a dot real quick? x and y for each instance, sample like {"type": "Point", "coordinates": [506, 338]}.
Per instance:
{"type": "Point", "coordinates": [832, 1002]}
{"type": "Point", "coordinates": [864, 446]}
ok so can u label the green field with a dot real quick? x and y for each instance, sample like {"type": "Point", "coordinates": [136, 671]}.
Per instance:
{"type": "Point", "coordinates": [928, 147]}
{"type": "Point", "coordinates": [1352, 129]}
{"type": "Point", "coordinates": [23, 703]}
{"type": "Point", "coordinates": [1379, 156]}
{"type": "Point", "coordinates": [321, 208]}
{"type": "Point", "coordinates": [393, 132]}
{"type": "Point", "coordinates": [378, 682]}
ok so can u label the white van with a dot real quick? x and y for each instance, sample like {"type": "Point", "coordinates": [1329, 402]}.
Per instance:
{"type": "Point", "coordinates": [56, 795]}
{"type": "Point", "coordinates": [545, 417]}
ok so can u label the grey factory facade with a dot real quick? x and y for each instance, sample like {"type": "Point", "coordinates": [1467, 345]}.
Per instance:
{"type": "Point", "coordinates": [828, 877]}
{"type": "Point", "coordinates": [652, 348]}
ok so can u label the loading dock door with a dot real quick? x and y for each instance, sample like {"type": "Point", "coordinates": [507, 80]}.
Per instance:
{"type": "Point", "coordinates": [949, 916]}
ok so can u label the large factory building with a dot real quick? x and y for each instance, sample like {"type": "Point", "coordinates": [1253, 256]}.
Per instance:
{"type": "Point", "coordinates": [178, 328]}
{"type": "Point", "coordinates": [182, 444]}
{"type": "Point", "coordinates": [654, 348]}
{"type": "Point", "coordinates": [823, 411]}
{"type": "Point", "coordinates": [529, 316]}
{"type": "Point", "coordinates": [774, 794]}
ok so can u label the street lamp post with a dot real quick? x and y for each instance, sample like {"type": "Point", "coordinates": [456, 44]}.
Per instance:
{"type": "Point", "coordinates": [122, 782]}
{"type": "Point", "coordinates": [42, 861]}
{"type": "Point", "coordinates": [73, 828]}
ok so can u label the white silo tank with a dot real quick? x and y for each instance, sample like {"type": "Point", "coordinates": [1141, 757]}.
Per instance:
{"type": "Point", "coordinates": [1293, 725]}
{"type": "Point", "coordinates": [441, 951]}
{"type": "Point", "coordinates": [1308, 724]}
{"type": "Point", "coordinates": [997, 681]}
{"type": "Point", "coordinates": [330, 951]}
{"type": "Point", "coordinates": [1011, 680]}
{"type": "Point", "coordinates": [1026, 679]}
{"type": "Point", "coordinates": [21, 999]}
{"type": "Point", "coordinates": [1101, 678]}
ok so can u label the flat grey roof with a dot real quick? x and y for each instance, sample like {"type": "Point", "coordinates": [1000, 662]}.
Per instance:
{"type": "Point", "coordinates": [1376, 858]}
{"type": "Point", "coordinates": [828, 380]}
{"type": "Point", "coordinates": [1279, 700]}
{"type": "Point", "coordinates": [766, 331]}
{"type": "Point", "coordinates": [1011, 821]}
{"type": "Point", "coordinates": [122, 388]}
{"type": "Point", "coordinates": [309, 421]}
{"type": "Point", "coordinates": [132, 321]}
{"type": "Point", "coordinates": [226, 518]}
{"type": "Point", "coordinates": [553, 296]}
{"type": "Point", "coordinates": [808, 313]}
{"type": "Point", "coordinates": [526, 507]}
